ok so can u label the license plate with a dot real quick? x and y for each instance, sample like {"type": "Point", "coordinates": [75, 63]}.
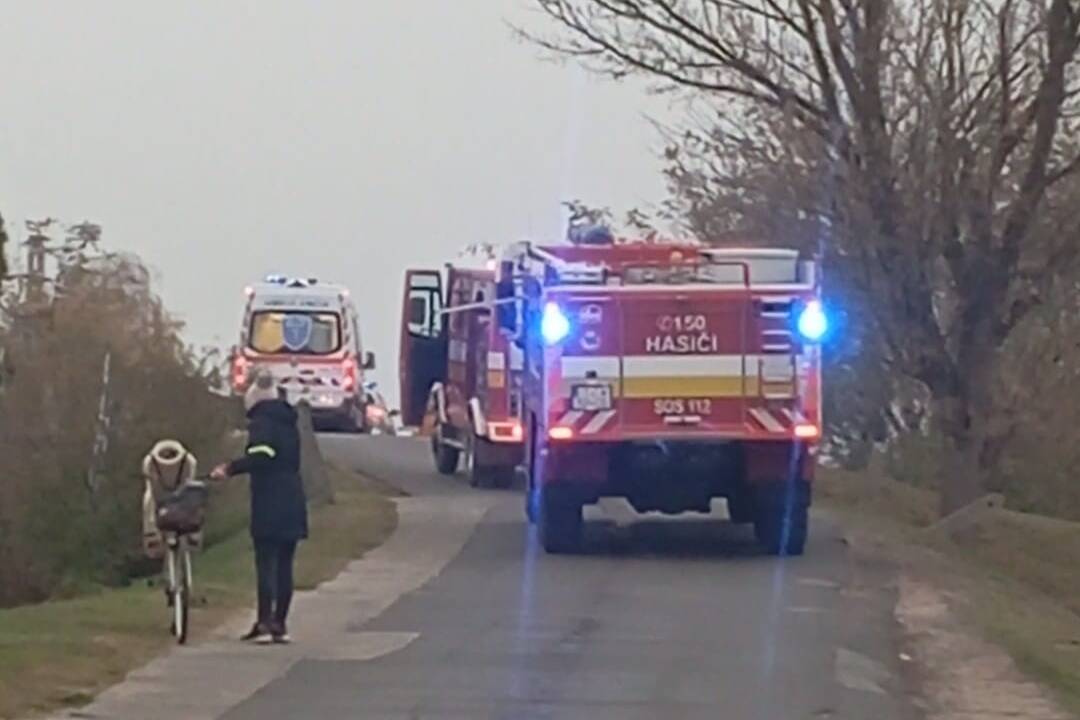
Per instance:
{"type": "Point", "coordinates": [590, 397]}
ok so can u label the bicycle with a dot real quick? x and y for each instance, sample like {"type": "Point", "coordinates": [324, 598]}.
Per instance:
{"type": "Point", "coordinates": [181, 515]}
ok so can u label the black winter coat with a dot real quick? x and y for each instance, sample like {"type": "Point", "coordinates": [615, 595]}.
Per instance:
{"type": "Point", "coordinates": [272, 458]}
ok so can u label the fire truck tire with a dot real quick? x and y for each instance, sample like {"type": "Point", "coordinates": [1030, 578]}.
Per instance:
{"type": "Point", "coordinates": [481, 475]}
{"type": "Point", "coordinates": [532, 512]}
{"type": "Point", "coordinates": [782, 533]}
{"type": "Point", "coordinates": [740, 507]}
{"type": "Point", "coordinates": [532, 493]}
{"type": "Point", "coordinates": [561, 525]}
{"type": "Point", "coordinates": [491, 476]}
{"type": "Point", "coordinates": [446, 457]}
{"type": "Point", "coordinates": [488, 475]}
{"type": "Point", "coordinates": [503, 476]}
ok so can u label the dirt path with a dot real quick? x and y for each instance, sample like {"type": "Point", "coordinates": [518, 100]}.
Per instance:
{"type": "Point", "coordinates": [963, 676]}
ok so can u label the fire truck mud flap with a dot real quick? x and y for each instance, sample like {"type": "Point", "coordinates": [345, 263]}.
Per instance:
{"type": "Point", "coordinates": [672, 477]}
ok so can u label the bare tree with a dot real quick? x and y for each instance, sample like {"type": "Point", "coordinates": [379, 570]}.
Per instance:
{"type": "Point", "coordinates": [925, 144]}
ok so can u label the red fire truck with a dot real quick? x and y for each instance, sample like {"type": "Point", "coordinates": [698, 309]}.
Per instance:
{"type": "Point", "coordinates": [665, 374]}
{"type": "Point", "coordinates": [460, 373]}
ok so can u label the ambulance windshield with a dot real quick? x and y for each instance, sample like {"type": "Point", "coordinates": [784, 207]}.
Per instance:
{"type": "Point", "coordinates": [295, 332]}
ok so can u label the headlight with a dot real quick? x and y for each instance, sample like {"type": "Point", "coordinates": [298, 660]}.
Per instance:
{"type": "Point", "coordinates": [812, 322]}
{"type": "Point", "coordinates": [325, 400]}
{"type": "Point", "coordinates": [554, 325]}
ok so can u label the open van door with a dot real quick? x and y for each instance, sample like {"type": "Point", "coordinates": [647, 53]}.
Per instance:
{"type": "Point", "coordinates": [422, 357]}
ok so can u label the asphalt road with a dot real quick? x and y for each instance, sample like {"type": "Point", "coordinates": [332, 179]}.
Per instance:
{"type": "Point", "coordinates": [659, 618]}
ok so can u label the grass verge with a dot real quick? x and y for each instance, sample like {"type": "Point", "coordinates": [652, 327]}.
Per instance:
{"type": "Point", "coordinates": [1014, 577]}
{"type": "Point", "coordinates": [62, 653]}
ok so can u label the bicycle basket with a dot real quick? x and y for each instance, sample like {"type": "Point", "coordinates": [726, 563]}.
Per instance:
{"type": "Point", "coordinates": [184, 510]}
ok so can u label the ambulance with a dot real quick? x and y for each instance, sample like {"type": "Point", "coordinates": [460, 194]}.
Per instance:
{"type": "Point", "coordinates": [306, 334]}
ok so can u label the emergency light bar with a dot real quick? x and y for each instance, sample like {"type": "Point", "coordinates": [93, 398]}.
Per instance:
{"type": "Point", "coordinates": [290, 282]}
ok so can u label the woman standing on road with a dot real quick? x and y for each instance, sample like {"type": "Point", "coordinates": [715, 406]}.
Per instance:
{"type": "Point", "coordinates": [278, 505]}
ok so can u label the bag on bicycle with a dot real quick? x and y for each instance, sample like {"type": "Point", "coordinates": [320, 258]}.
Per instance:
{"type": "Point", "coordinates": [183, 511]}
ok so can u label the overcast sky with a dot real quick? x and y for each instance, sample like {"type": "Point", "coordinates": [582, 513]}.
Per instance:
{"type": "Point", "coordinates": [346, 140]}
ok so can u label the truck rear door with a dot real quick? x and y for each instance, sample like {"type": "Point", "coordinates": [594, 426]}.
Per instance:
{"type": "Point", "coordinates": [423, 342]}
{"type": "Point", "coordinates": [686, 362]}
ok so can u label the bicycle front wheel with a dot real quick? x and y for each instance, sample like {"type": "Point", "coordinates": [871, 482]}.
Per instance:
{"type": "Point", "coordinates": [180, 590]}
{"type": "Point", "coordinates": [180, 613]}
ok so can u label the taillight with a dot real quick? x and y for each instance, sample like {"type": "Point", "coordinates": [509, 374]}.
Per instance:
{"type": "Point", "coordinates": [240, 368]}
{"type": "Point", "coordinates": [348, 368]}
{"type": "Point", "coordinates": [561, 432]}
{"type": "Point", "coordinates": [505, 431]}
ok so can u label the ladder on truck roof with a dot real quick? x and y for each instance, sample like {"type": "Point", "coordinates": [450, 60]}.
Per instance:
{"type": "Point", "coordinates": [538, 262]}
{"type": "Point", "coordinates": [551, 269]}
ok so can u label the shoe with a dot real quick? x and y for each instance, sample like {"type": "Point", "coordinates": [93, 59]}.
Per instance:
{"type": "Point", "coordinates": [278, 635]}
{"type": "Point", "coordinates": [257, 634]}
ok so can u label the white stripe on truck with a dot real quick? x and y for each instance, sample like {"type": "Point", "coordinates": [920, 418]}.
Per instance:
{"type": "Point", "coordinates": [686, 365]}
{"type": "Point", "coordinates": [581, 366]}
{"type": "Point", "coordinates": [597, 423]}
{"type": "Point", "coordinates": [767, 420]}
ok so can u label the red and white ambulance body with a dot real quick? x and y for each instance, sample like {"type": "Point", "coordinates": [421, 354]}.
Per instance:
{"type": "Point", "coordinates": [668, 375]}
{"type": "Point", "coordinates": [460, 372]}
{"type": "Point", "coordinates": [307, 336]}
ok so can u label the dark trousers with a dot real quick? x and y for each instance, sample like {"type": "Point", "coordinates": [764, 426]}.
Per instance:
{"type": "Point", "coordinates": [274, 568]}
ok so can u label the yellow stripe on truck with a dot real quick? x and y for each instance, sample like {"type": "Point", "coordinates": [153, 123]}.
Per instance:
{"type": "Point", "coordinates": [675, 387]}
{"type": "Point", "coordinates": [683, 376]}
{"type": "Point", "coordinates": [689, 387]}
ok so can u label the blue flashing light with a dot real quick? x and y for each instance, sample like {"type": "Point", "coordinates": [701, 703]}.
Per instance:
{"type": "Point", "coordinates": [554, 325]}
{"type": "Point", "coordinates": [813, 323]}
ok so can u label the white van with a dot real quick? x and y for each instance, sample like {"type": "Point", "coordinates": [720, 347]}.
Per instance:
{"type": "Point", "coordinates": [307, 335]}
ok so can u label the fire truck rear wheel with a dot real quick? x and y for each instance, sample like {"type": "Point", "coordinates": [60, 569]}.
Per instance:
{"type": "Point", "coordinates": [740, 505]}
{"type": "Point", "coordinates": [532, 511]}
{"type": "Point", "coordinates": [561, 524]}
{"type": "Point", "coordinates": [782, 533]}
{"type": "Point", "coordinates": [482, 472]}
{"type": "Point", "coordinates": [503, 476]}
{"type": "Point", "coordinates": [491, 476]}
{"type": "Point", "coordinates": [446, 457]}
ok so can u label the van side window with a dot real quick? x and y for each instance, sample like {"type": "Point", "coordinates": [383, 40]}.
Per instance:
{"type": "Point", "coordinates": [425, 312]}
